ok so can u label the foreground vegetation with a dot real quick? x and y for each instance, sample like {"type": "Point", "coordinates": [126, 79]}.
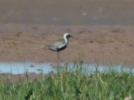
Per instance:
{"type": "Point", "coordinates": [72, 85]}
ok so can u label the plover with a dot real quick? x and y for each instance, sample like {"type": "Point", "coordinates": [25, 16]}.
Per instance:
{"type": "Point", "coordinates": [60, 44]}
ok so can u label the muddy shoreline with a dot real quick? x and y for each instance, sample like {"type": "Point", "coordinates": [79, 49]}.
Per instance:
{"type": "Point", "coordinates": [101, 44]}
{"type": "Point", "coordinates": [113, 44]}
{"type": "Point", "coordinates": [104, 28]}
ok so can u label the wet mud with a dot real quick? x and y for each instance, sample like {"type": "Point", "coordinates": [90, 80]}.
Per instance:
{"type": "Point", "coordinates": [104, 30]}
{"type": "Point", "coordinates": [113, 44]}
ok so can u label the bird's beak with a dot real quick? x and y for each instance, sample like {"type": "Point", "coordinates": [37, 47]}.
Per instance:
{"type": "Point", "coordinates": [74, 37]}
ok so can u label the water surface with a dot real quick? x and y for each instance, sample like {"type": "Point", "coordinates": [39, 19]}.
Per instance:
{"type": "Point", "coordinates": [45, 68]}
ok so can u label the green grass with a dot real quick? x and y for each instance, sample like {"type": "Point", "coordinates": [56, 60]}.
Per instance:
{"type": "Point", "coordinates": [72, 85]}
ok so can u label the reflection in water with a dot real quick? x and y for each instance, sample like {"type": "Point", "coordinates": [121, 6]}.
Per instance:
{"type": "Point", "coordinates": [45, 68]}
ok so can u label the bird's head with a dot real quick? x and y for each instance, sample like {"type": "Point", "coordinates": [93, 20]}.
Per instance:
{"type": "Point", "coordinates": [67, 35]}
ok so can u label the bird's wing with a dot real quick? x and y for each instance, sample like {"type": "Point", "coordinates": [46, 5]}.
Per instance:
{"type": "Point", "coordinates": [58, 43]}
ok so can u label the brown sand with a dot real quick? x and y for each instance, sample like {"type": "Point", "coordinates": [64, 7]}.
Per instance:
{"type": "Point", "coordinates": [104, 44]}
{"type": "Point", "coordinates": [114, 44]}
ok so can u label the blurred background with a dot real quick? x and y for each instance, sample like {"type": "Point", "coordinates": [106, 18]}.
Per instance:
{"type": "Point", "coordinates": [67, 12]}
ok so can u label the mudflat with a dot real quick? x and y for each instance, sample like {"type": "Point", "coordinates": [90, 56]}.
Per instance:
{"type": "Point", "coordinates": [104, 28]}
{"type": "Point", "coordinates": [103, 44]}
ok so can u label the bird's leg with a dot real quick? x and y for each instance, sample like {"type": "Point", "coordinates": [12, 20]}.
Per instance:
{"type": "Point", "coordinates": [58, 65]}
{"type": "Point", "coordinates": [58, 59]}
{"type": "Point", "coordinates": [58, 55]}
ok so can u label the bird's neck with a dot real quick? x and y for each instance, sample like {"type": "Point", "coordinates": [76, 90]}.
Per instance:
{"type": "Point", "coordinates": [66, 40]}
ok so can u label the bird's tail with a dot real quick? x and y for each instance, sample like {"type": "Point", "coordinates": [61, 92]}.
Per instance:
{"type": "Point", "coordinates": [45, 47]}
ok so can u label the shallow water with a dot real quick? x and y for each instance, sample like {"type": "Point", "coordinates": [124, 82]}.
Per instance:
{"type": "Point", "coordinates": [45, 68]}
{"type": "Point", "coordinates": [22, 67]}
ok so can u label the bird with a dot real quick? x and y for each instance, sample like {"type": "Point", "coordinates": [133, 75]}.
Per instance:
{"type": "Point", "coordinates": [60, 44]}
